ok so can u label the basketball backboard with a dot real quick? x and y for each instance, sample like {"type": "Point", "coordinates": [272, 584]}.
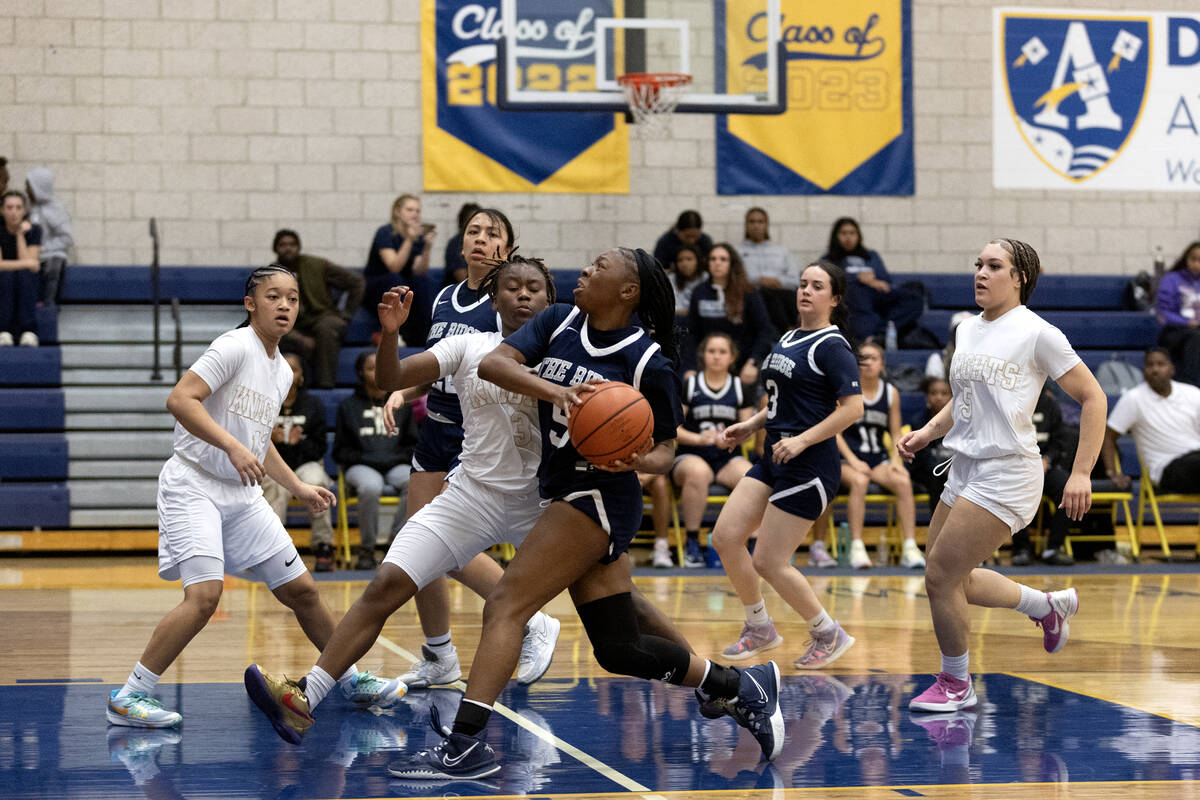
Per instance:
{"type": "Point", "coordinates": [568, 54]}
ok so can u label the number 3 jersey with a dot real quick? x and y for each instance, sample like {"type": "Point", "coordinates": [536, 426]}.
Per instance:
{"type": "Point", "coordinates": [804, 375]}
{"type": "Point", "coordinates": [571, 352]}
{"type": "Point", "coordinates": [501, 442]}
{"type": "Point", "coordinates": [996, 376]}
{"type": "Point", "coordinates": [865, 437]}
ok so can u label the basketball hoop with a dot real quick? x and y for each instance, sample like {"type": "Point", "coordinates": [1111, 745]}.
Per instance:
{"type": "Point", "coordinates": [652, 98]}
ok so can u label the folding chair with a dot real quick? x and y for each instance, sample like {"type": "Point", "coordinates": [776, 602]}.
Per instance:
{"type": "Point", "coordinates": [1103, 492]}
{"type": "Point", "coordinates": [345, 500]}
{"type": "Point", "coordinates": [1148, 495]}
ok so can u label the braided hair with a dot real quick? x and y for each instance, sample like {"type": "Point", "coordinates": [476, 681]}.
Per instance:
{"type": "Point", "coordinates": [656, 302]}
{"type": "Point", "coordinates": [259, 275]}
{"type": "Point", "coordinates": [491, 282]}
{"type": "Point", "coordinates": [1025, 262]}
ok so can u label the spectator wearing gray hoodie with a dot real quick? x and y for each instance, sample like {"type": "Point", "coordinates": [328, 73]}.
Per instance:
{"type": "Point", "coordinates": [48, 211]}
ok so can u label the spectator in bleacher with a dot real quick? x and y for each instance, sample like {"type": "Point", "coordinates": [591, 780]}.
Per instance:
{"type": "Point", "coordinates": [939, 361]}
{"type": "Point", "coordinates": [771, 269]}
{"type": "Point", "coordinates": [727, 303]}
{"type": "Point", "coordinates": [20, 241]}
{"type": "Point", "coordinates": [1178, 308]}
{"type": "Point", "coordinates": [370, 458]}
{"type": "Point", "coordinates": [399, 256]}
{"type": "Point", "coordinates": [1164, 417]}
{"type": "Point", "coordinates": [299, 438]}
{"type": "Point", "coordinates": [687, 276]}
{"type": "Point", "coordinates": [49, 212]}
{"type": "Point", "coordinates": [873, 301]}
{"type": "Point", "coordinates": [1057, 447]}
{"type": "Point", "coordinates": [456, 266]}
{"type": "Point", "coordinates": [321, 327]}
{"type": "Point", "coordinates": [689, 229]}
{"type": "Point", "coordinates": [924, 464]}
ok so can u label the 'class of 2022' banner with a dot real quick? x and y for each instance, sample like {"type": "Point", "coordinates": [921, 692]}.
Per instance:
{"type": "Point", "coordinates": [1096, 100]}
{"type": "Point", "coordinates": [848, 124]}
{"type": "Point", "coordinates": [470, 145]}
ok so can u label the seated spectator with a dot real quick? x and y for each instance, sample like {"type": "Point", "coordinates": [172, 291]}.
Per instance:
{"type": "Point", "coordinates": [688, 230]}
{"type": "Point", "coordinates": [321, 325]}
{"type": "Point", "coordinates": [712, 399]}
{"type": "Point", "coordinates": [771, 269]}
{"type": "Point", "coordinates": [871, 299]}
{"type": "Point", "coordinates": [3, 174]}
{"type": "Point", "coordinates": [688, 276]}
{"type": "Point", "coordinates": [924, 471]}
{"type": "Point", "coordinates": [1177, 306]}
{"type": "Point", "coordinates": [727, 303]}
{"type": "Point", "coordinates": [399, 256]}
{"type": "Point", "coordinates": [1057, 446]}
{"type": "Point", "coordinates": [370, 458]}
{"type": "Point", "coordinates": [49, 212]}
{"type": "Point", "coordinates": [865, 459]}
{"type": "Point", "coordinates": [655, 485]}
{"type": "Point", "coordinates": [938, 363]}
{"type": "Point", "coordinates": [1164, 417]}
{"type": "Point", "coordinates": [456, 266]}
{"type": "Point", "coordinates": [20, 242]}
{"type": "Point", "coordinates": [299, 437]}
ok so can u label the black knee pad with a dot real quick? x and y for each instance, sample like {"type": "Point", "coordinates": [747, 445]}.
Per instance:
{"type": "Point", "coordinates": [620, 648]}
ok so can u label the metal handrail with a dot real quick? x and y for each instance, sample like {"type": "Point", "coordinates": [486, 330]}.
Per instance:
{"type": "Point", "coordinates": [155, 371]}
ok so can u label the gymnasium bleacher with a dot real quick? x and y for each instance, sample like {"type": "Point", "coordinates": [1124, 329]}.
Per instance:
{"type": "Point", "coordinates": [84, 430]}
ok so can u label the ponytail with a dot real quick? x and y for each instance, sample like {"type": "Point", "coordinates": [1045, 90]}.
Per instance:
{"type": "Point", "coordinates": [656, 304]}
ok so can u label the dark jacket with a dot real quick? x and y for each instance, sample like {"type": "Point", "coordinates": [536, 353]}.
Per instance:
{"type": "Point", "coordinates": [1054, 437]}
{"type": "Point", "coordinates": [928, 457]}
{"type": "Point", "coordinates": [754, 335]}
{"type": "Point", "coordinates": [360, 437]}
{"type": "Point", "coordinates": [316, 277]}
{"type": "Point", "coordinates": [308, 412]}
{"type": "Point", "coordinates": [667, 247]}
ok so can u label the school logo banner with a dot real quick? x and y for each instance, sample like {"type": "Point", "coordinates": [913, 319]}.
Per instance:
{"type": "Point", "coordinates": [470, 145]}
{"type": "Point", "coordinates": [1096, 100]}
{"type": "Point", "coordinates": [848, 124]}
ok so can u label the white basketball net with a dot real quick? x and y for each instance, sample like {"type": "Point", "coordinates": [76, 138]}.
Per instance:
{"type": "Point", "coordinates": [652, 98]}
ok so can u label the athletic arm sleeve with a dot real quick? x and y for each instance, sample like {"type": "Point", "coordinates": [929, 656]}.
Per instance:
{"type": "Point", "coordinates": [220, 361]}
{"type": "Point", "coordinates": [1124, 414]}
{"type": "Point", "coordinates": [834, 358]}
{"type": "Point", "coordinates": [1053, 354]}
{"type": "Point", "coordinates": [533, 338]}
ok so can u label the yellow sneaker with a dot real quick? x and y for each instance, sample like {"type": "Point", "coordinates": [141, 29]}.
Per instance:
{"type": "Point", "coordinates": [282, 700]}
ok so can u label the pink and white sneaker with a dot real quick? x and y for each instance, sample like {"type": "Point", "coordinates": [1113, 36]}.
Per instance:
{"type": "Point", "coordinates": [948, 693]}
{"type": "Point", "coordinates": [1055, 626]}
{"type": "Point", "coordinates": [754, 640]}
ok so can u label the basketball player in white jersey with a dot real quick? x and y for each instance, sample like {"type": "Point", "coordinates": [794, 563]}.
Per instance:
{"type": "Point", "coordinates": [212, 517]}
{"type": "Point", "coordinates": [1001, 360]}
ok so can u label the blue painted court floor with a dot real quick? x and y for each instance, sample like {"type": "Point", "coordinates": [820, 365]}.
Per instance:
{"type": "Point", "coordinates": [631, 736]}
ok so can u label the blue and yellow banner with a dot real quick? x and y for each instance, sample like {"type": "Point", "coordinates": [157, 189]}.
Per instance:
{"type": "Point", "coordinates": [848, 124]}
{"type": "Point", "coordinates": [470, 145]}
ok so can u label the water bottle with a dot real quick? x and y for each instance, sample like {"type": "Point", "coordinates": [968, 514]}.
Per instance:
{"type": "Point", "coordinates": [843, 544]}
{"type": "Point", "coordinates": [881, 552]}
{"type": "Point", "coordinates": [1160, 263]}
{"type": "Point", "coordinates": [890, 340]}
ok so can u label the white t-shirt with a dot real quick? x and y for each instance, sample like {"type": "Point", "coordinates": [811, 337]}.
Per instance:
{"type": "Point", "coordinates": [248, 389]}
{"type": "Point", "coordinates": [502, 442]}
{"type": "Point", "coordinates": [766, 259]}
{"type": "Point", "coordinates": [997, 374]}
{"type": "Point", "coordinates": [1164, 428]}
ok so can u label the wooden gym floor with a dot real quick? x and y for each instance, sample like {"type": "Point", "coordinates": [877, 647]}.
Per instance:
{"type": "Point", "coordinates": [1115, 714]}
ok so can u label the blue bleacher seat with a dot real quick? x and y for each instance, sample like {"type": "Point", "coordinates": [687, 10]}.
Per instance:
{"type": "Point", "coordinates": [955, 290]}
{"type": "Point", "coordinates": [346, 375]}
{"type": "Point", "coordinates": [131, 284]}
{"type": "Point", "coordinates": [47, 325]}
{"type": "Point", "coordinates": [1084, 329]}
{"type": "Point", "coordinates": [32, 409]}
{"type": "Point", "coordinates": [30, 366]}
{"type": "Point", "coordinates": [332, 398]}
{"type": "Point", "coordinates": [33, 456]}
{"type": "Point", "coordinates": [30, 505]}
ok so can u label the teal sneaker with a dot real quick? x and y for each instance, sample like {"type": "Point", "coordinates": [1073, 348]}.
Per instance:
{"type": "Point", "coordinates": [366, 689]}
{"type": "Point", "coordinates": [139, 710]}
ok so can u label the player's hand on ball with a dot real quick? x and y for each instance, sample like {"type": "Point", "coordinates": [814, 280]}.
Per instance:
{"type": "Point", "coordinates": [786, 449]}
{"type": "Point", "coordinates": [317, 498]}
{"type": "Point", "coordinates": [248, 468]}
{"type": "Point", "coordinates": [394, 308]}
{"type": "Point", "coordinates": [571, 396]}
{"type": "Point", "coordinates": [629, 464]}
{"type": "Point", "coordinates": [1077, 496]}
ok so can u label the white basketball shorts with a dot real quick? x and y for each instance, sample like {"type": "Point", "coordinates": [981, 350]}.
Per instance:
{"type": "Point", "coordinates": [1008, 487]}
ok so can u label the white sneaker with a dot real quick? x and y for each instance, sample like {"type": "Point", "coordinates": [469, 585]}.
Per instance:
{"type": "Point", "coordinates": [662, 555]}
{"type": "Point", "coordinates": [29, 339]}
{"type": "Point", "coordinates": [6, 339]}
{"type": "Point", "coordinates": [367, 689]}
{"type": "Point", "coordinates": [911, 557]}
{"type": "Point", "coordinates": [537, 649]}
{"type": "Point", "coordinates": [139, 710]}
{"type": "Point", "coordinates": [430, 671]}
{"type": "Point", "coordinates": [819, 557]}
{"type": "Point", "coordinates": [858, 555]}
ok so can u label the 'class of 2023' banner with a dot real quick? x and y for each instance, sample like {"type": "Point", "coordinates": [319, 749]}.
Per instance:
{"type": "Point", "coordinates": [848, 124]}
{"type": "Point", "coordinates": [470, 145]}
{"type": "Point", "coordinates": [1096, 100]}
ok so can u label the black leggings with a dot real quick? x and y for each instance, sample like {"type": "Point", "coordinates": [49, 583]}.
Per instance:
{"type": "Point", "coordinates": [1182, 475]}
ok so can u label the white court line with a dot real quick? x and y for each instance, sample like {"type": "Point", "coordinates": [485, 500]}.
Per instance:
{"type": "Point", "coordinates": [544, 734]}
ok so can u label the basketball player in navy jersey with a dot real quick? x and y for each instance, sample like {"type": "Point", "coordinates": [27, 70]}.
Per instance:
{"type": "Point", "coordinates": [866, 459]}
{"type": "Point", "coordinates": [811, 380]}
{"type": "Point", "coordinates": [621, 329]}
{"type": "Point", "coordinates": [459, 309]}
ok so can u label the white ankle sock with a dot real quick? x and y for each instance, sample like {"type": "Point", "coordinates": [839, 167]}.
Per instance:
{"type": "Point", "coordinates": [441, 646]}
{"type": "Point", "coordinates": [957, 665]}
{"type": "Point", "coordinates": [318, 684]}
{"type": "Point", "coordinates": [822, 624]}
{"type": "Point", "coordinates": [140, 680]}
{"type": "Point", "coordinates": [1033, 602]}
{"type": "Point", "coordinates": [757, 613]}
{"type": "Point", "coordinates": [350, 672]}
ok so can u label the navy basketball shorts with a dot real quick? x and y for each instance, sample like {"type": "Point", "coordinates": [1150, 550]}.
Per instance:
{"type": "Point", "coordinates": [614, 505]}
{"type": "Point", "coordinates": [872, 460]}
{"type": "Point", "coordinates": [803, 486]}
{"type": "Point", "coordinates": [438, 446]}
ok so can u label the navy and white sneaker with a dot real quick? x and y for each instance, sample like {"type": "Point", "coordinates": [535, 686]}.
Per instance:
{"type": "Point", "coordinates": [455, 758]}
{"type": "Point", "coordinates": [758, 710]}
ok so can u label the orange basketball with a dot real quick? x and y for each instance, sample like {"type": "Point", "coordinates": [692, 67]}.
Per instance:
{"type": "Point", "coordinates": [613, 422]}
